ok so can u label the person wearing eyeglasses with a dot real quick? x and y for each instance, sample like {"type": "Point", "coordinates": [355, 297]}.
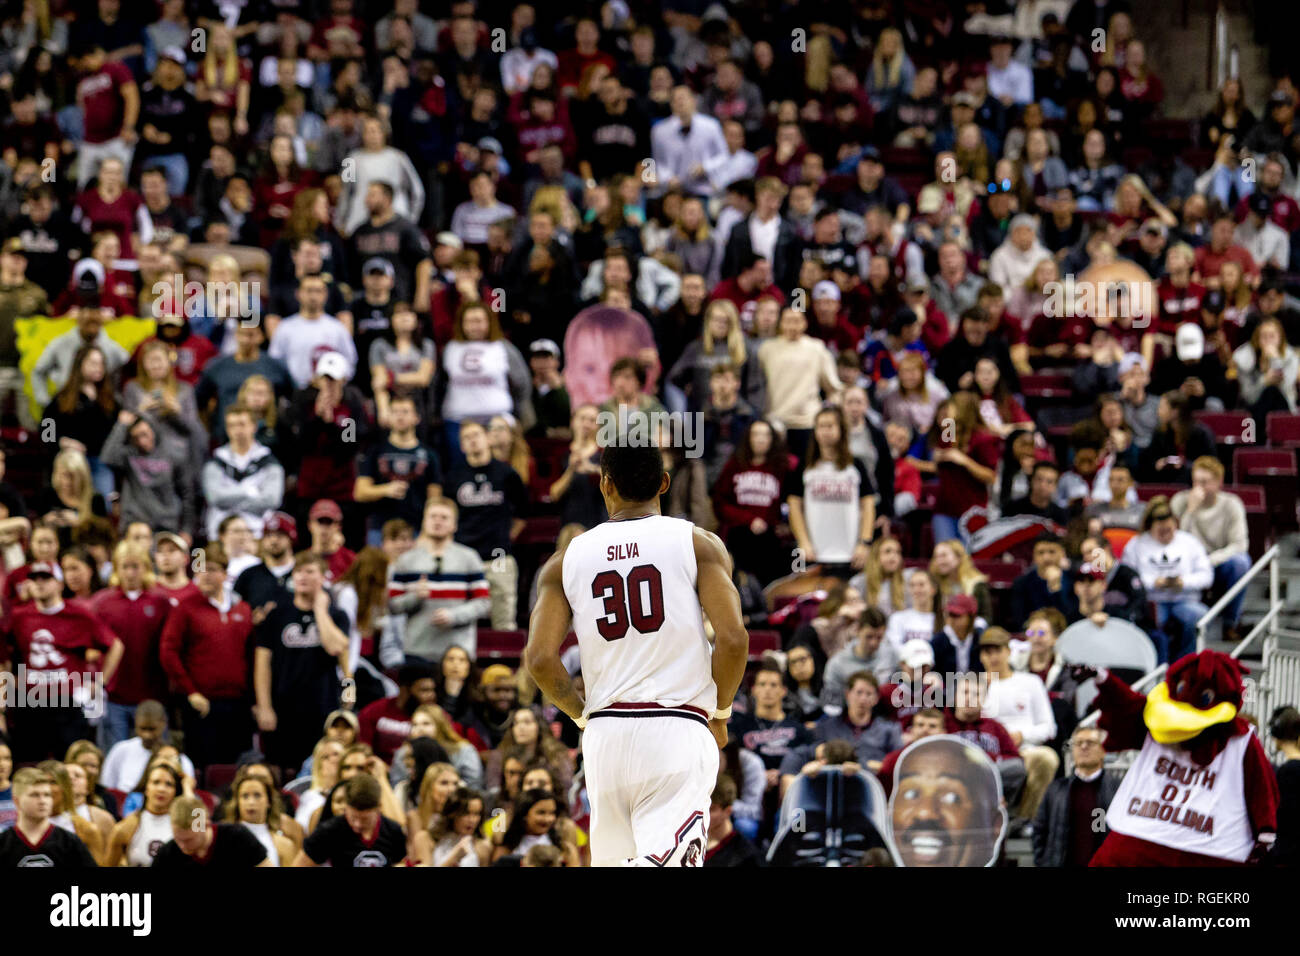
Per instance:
{"type": "Point", "coordinates": [1071, 821]}
{"type": "Point", "coordinates": [1042, 629]}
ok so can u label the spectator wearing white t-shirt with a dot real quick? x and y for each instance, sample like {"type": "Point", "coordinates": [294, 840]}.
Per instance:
{"type": "Point", "coordinates": [918, 622]}
{"type": "Point", "coordinates": [302, 338]}
{"type": "Point", "coordinates": [1019, 702]}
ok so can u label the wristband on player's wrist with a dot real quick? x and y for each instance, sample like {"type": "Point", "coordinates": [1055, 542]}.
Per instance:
{"type": "Point", "coordinates": [721, 714]}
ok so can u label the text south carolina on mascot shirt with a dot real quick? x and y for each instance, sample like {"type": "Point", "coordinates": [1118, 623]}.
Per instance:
{"type": "Point", "coordinates": [1167, 799]}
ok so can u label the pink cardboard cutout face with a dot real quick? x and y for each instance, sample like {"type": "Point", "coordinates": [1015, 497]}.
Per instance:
{"type": "Point", "coordinates": [596, 338]}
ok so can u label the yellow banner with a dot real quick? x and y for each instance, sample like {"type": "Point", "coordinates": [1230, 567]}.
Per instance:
{"type": "Point", "coordinates": [35, 334]}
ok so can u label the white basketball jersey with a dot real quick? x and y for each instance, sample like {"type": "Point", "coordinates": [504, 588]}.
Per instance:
{"type": "Point", "coordinates": [1167, 799]}
{"type": "Point", "coordinates": [636, 612]}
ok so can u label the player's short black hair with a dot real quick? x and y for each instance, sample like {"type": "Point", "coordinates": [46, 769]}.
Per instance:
{"type": "Point", "coordinates": [635, 471]}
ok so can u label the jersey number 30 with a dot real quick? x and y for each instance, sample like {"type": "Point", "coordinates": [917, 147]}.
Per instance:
{"type": "Point", "coordinates": [638, 603]}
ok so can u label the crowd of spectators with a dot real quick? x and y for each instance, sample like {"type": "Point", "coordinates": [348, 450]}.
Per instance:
{"type": "Point", "coordinates": [436, 239]}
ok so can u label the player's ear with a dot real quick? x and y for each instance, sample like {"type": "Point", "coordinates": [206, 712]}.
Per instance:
{"type": "Point", "coordinates": [664, 481]}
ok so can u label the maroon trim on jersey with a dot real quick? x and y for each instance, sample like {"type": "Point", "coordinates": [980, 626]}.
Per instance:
{"type": "Point", "coordinates": [49, 828]}
{"type": "Point", "coordinates": [653, 514]}
{"type": "Point", "coordinates": [652, 710]}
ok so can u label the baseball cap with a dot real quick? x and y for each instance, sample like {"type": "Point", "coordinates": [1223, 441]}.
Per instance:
{"type": "Point", "coordinates": [171, 318]}
{"type": "Point", "coordinates": [869, 152]}
{"type": "Point", "coordinates": [281, 523]}
{"type": "Point", "coordinates": [1214, 301]}
{"type": "Point", "coordinates": [1189, 342]}
{"type": "Point", "coordinates": [14, 247]}
{"type": "Point", "coordinates": [496, 672]}
{"type": "Point", "coordinates": [1155, 227]}
{"type": "Point", "coordinates": [1280, 98]}
{"type": "Point", "coordinates": [544, 347]}
{"type": "Point", "coordinates": [40, 569]}
{"type": "Point", "coordinates": [88, 267]}
{"type": "Point", "coordinates": [173, 53]}
{"type": "Point", "coordinates": [491, 144]}
{"type": "Point", "coordinates": [917, 653]}
{"type": "Point", "coordinates": [325, 508]}
{"type": "Point", "coordinates": [903, 318]}
{"type": "Point", "coordinates": [1024, 219]}
{"type": "Point", "coordinates": [963, 99]}
{"type": "Point", "coordinates": [1129, 361]}
{"type": "Point", "coordinates": [961, 604]}
{"type": "Point", "coordinates": [333, 365]}
{"type": "Point", "coordinates": [916, 283]}
{"type": "Point", "coordinates": [1093, 572]}
{"type": "Point", "coordinates": [826, 290]}
{"type": "Point", "coordinates": [995, 637]}
{"type": "Point", "coordinates": [930, 200]}
{"type": "Point", "coordinates": [378, 264]}
{"type": "Point", "coordinates": [344, 715]}
{"type": "Point", "coordinates": [1260, 204]}
{"type": "Point", "coordinates": [169, 537]}
{"type": "Point", "coordinates": [448, 239]}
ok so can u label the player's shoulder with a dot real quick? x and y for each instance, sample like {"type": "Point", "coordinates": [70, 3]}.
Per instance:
{"type": "Point", "coordinates": [708, 546]}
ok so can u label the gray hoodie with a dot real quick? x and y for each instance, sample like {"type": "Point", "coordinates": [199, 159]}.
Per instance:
{"type": "Point", "coordinates": [157, 488]}
{"type": "Point", "coordinates": [251, 486]}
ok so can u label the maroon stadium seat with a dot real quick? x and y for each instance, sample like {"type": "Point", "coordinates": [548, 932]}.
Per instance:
{"type": "Point", "coordinates": [1283, 429]}
{"type": "Point", "coordinates": [219, 775]}
{"type": "Point", "coordinates": [1046, 386]}
{"type": "Point", "coordinates": [1149, 491]}
{"type": "Point", "coordinates": [1230, 428]}
{"type": "Point", "coordinates": [1261, 462]}
{"type": "Point", "coordinates": [1001, 574]}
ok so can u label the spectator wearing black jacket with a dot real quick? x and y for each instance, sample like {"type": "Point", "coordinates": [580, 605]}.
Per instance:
{"type": "Point", "coordinates": [1105, 588]}
{"type": "Point", "coordinates": [1048, 583]}
{"type": "Point", "coordinates": [1178, 441]}
{"type": "Point", "coordinates": [727, 846]}
{"type": "Point", "coordinates": [1194, 372]}
{"type": "Point", "coordinates": [765, 232]}
{"type": "Point", "coordinates": [1065, 831]}
{"type": "Point", "coordinates": [955, 363]}
{"type": "Point", "coordinates": [1040, 501]}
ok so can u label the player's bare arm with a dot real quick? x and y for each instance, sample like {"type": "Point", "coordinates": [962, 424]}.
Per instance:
{"type": "Point", "coordinates": [721, 602]}
{"type": "Point", "coordinates": [547, 629]}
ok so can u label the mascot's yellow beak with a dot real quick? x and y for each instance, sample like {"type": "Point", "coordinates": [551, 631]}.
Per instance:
{"type": "Point", "coordinates": [1172, 722]}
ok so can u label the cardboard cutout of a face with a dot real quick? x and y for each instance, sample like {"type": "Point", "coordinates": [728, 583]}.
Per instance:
{"type": "Point", "coordinates": [945, 808]}
{"type": "Point", "coordinates": [596, 338]}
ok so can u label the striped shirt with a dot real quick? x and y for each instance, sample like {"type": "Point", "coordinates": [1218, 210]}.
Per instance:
{"type": "Point", "coordinates": [419, 584]}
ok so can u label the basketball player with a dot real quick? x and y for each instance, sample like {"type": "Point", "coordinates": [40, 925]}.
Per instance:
{"type": "Point", "coordinates": [633, 589]}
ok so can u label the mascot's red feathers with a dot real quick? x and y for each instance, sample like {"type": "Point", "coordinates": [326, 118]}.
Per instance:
{"type": "Point", "coordinates": [1168, 811]}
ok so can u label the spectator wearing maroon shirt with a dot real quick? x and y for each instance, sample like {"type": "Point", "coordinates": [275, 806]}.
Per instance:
{"type": "Point", "coordinates": [386, 724]}
{"type": "Point", "coordinates": [171, 555]}
{"type": "Point", "coordinates": [1221, 248]}
{"type": "Point", "coordinates": [1180, 297]}
{"type": "Point", "coordinates": [752, 281]}
{"type": "Point", "coordinates": [206, 650]}
{"type": "Point", "coordinates": [585, 54]}
{"type": "Point", "coordinates": [1285, 211]}
{"type": "Point", "coordinates": [927, 722]}
{"type": "Point", "coordinates": [112, 207]}
{"type": "Point", "coordinates": [329, 422]}
{"type": "Point", "coordinates": [190, 352]}
{"type": "Point", "coordinates": [967, 722]}
{"type": "Point", "coordinates": [275, 190]}
{"type": "Point", "coordinates": [58, 644]}
{"type": "Point", "coordinates": [747, 502]}
{"type": "Point", "coordinates": [325, 522]}
{"type": "Point", "coordinates": [110, 104]}
{"type": "Point", "coordinates": [134, 611]}
{"type": "Point", "coordinates": [966, 463]}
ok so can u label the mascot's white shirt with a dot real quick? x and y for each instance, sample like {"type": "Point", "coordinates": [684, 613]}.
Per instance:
{"type": "Point", "coordinates": [1167, 799]}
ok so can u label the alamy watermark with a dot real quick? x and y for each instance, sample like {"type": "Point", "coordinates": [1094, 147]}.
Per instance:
{"type": "Point", "coordinates": [193, 299]}
{"type": "Point", "coordinates": [1073, 297]}
{"type": "Point", "coordinates": [42, 689]}
{"type": "Point", "coordinates": [633, 428]}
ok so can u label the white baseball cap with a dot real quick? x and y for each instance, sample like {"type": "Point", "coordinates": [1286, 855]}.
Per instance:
{"type": "Point", "coordinates": [333, 365]}
{"type": "Point", "coordinates": [917, 653]}
{"type": "Point", "coordinates": [826, 289]}
{"type": "Point", "coordinates": [1189, 342]}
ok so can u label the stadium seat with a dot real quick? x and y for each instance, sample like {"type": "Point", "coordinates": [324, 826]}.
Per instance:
{"type": "Point", "coordinates": [1119, 646]}
{"type": "Point", "coordinates": [218, 776]}
{"type": "Point", "coordinates": [1001, 574]}
{"type": "Point", "coordinates": [1282, 430]}
{"type": "Point", "coordinates": [209, 799]}
{"type": "Point", "coordinates": [1149, 491]}
{"type": "Point", "coordinates": [1229, 428]}
{"type": "Point", "coordinates": [1261, 462]}
{"type": "Point", "coordinates": [1046, 386]}
{"type": "Point", "coordinates": [831, 819]}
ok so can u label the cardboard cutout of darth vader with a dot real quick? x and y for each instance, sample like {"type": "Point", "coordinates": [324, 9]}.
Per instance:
{"type": "Point", "coordinates": [945, 808]}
